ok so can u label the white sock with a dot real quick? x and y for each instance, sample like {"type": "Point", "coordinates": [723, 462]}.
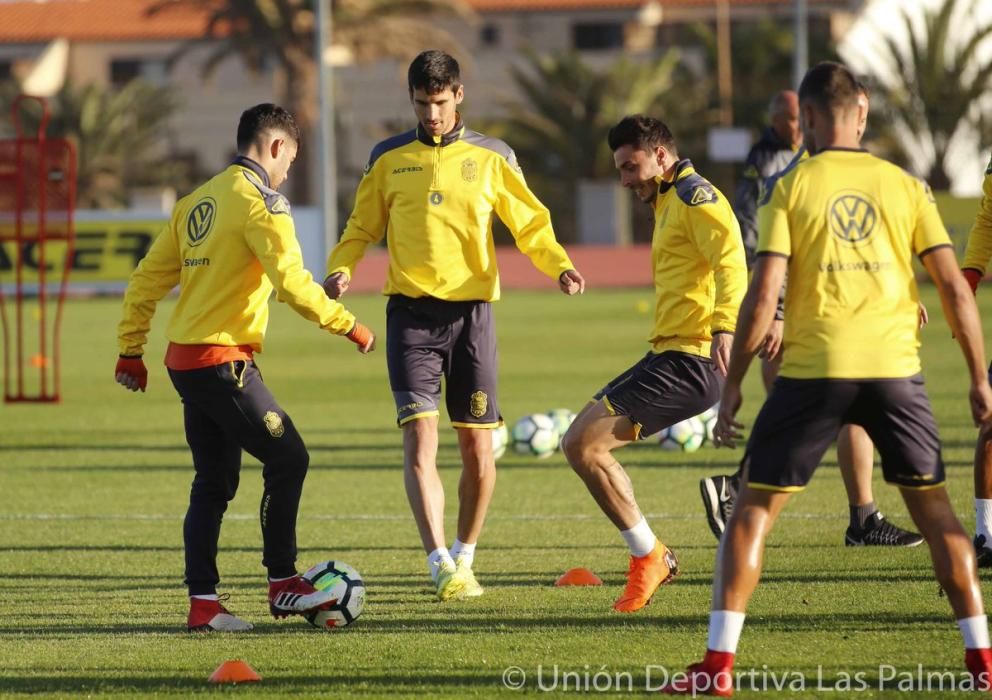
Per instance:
{"type": "Point", "coordinates": [212, 596]}
{"type": "Point", "coordinates": [983, 518]}
{"type": "Point", "coordinates": [436, 558]}
{"type": "Point", "coordinates": [975, 631]}
{"type": "Point", "coordinates": [725, 630]}
{"type": "Point", "coordinates": [640, 539]}
{"type": "Point", "coordinates": [280, 580]}
{"type": "Point", "coordinates": [463, 550]}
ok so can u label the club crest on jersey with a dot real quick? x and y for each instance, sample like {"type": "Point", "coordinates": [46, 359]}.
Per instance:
{"type": "Point", "coordinates": [273, 423]}
{"type": "Point", "coordinates": [470, 170]}
{"type": "Point", "coordinates": [852, 216]}
{"type": "Point", "coordinates": [701, 195]}
{"type": "Point", "coordinates": [478, 403]}
{"type": "Point", "coordinates": [436, 198]}
{"type": "Point", "coordinates": [200, 220]}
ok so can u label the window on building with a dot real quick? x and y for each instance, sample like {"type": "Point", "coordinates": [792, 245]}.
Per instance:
{"type": "Point", "coordinates": [594, 36]}
{"type": "Point", "coordinates": [489, 35]}
{"type": "Point", "coordinates": [124, 70]}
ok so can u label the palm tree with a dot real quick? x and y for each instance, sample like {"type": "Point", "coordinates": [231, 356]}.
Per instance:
{"type": "Point", "coordinates": [558, 126]}
{"type": "Point", "coordinates": [283, 32]}
{"type": "Point", "coordinates": [120, 137]}
{"type": "Point", "coordinates": [933, 88]}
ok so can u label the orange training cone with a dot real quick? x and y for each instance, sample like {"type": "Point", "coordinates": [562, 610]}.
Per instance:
{"type": "Point", "coordinates": [579, 577]}
{"type": "Point", "coordinates": [234, 671]}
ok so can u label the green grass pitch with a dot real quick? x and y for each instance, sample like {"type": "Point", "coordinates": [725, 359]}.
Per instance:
{"type": "Point", "coordinates": [94, 491]}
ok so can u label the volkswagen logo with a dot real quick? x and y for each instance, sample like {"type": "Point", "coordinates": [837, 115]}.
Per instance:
{"type": "Point", "coordinates": [852, 216]}
{"type": "Point", "coordinates": [200, 221]}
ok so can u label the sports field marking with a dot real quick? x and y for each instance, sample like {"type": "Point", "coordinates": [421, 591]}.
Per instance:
{"type": "Point", "coordinates": [372, 516]}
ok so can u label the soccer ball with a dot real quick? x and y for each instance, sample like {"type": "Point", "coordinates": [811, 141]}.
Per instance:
{"type": "Point", "coordinates": [562, 418]}
{"type": "Point", "coordinates": [536, 435]}
{"type": "Point", "coordinates": [685, 435]}
{"type": "Point", "coordinates": [708, 418]}
{"type": "Point", "coordinates": [349, 592]}
{"type": "Point", "coordinates": [501, 438]}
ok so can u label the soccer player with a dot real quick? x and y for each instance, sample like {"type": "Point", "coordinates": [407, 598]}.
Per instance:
{"type": "Point", "coordinates": [855, 451]}
{"type": "Point", "coordinates": [846, 225]}
{"type": "Point", "coordinates": [227, 245]}
{"type": "Point", "coordinates": [700, 274]}
{"type": "Point", "coordinates": [435, 189]}
{"type": "Point", "coordinates": [976, 260]}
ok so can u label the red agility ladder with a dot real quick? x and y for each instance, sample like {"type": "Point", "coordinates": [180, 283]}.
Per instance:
{"type": "Point", "coordinates": [37, 201]}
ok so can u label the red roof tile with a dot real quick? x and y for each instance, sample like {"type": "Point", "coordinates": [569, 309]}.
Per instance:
{"type": "Point", "coordinates": [23, 21]}
{"type": "Point", "coordinates": [37, 21]}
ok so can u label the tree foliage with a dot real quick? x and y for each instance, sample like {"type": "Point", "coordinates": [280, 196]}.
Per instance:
{"type": "Point", "coordinates": [933, 89]}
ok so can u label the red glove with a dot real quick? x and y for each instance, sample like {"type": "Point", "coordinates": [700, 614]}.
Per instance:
{"type": "Point", "coordinates": [973, 277]}
{"type": "Point", "coordinates": [361, 335]}
{"type": "Point", "coordinates": [131, 373]}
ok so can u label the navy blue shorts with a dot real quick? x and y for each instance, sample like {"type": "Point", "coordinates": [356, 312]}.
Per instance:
{"type": "Point", "coordinates": [801, 418]}
{"type": "Point", "coordinates": [429, 339]}
{"type": "Point", "coordinates": [663, 389]}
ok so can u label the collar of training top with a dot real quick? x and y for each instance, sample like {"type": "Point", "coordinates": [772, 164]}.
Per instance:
{"type": "Point", "coordinates": [246, 162]}
{"type": "Point", "coordinates": [682, 168]}
{"type": "Point", "coordinates": [446, 139]}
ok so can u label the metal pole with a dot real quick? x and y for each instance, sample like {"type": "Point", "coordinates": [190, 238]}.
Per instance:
{"type": "Point", "coordinates": [724, 75]}
{"type": "Point", "coordinates": [800, 59]}
{"type": "Point", "coordinates": [326, 154]}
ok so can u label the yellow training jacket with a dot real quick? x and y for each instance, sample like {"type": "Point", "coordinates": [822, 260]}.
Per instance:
{"type": "Point", "coordinates": [226, 245]}
{"type": "Point", "coordinates": [435, 197]}
{"type": "Point", "coordinates": [700, 270]}
{"type": "Point", "coordinates": [979, 250]}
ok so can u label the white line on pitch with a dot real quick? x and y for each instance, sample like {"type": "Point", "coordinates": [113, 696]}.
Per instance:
{"type": "Point", "coordinates": [369, 516]}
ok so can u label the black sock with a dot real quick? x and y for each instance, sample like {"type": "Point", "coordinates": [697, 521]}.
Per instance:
{"type": "Point", "coordinates": [860, 514]}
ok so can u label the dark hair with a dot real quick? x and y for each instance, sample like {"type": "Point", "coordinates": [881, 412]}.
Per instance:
{"type": "Point", "coordinates": [829, 87]}
{"type": "Point", "coordinates": [643, 133]}
{"type": "Point", "coordinates": [433, 72]}
{"type": "Point", "coordinates": [261, 118]}
{"type": "Point", "coordinates": [863, 87]}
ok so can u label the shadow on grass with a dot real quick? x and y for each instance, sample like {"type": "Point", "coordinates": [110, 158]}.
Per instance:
{"type": "Point", "coordinates": [466, 619]}
{"type": "Point", "coordinates": [313, 683]}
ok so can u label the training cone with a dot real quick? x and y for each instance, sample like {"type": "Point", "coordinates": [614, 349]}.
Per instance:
{"type": "Point", "coordinates": [579, 577]}
{"type": "Point", "coordinates": [234, 671]}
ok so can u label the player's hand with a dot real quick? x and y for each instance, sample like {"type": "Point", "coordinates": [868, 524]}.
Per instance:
{"type": "Point", "coordinates": [924, 316]}
{"type": "Point", "coordinates": [131, 373]}
{"type": "Point", "coordinates": [337, 284]}
{"type": "Point", "coordinates": [571, 282]}
{"type": "Point", "coordinates": [973, 277]}
{"type": "Point", "coordinates": [773, 341]}
{"type": "Point", "coordinates": [720, 351]}
{"type": "Point", "coordinates": [362, 336]}
{"type": "Point", "coordinates": [726, 431]}
{"type": "Point", "coordinates": [980, 398]}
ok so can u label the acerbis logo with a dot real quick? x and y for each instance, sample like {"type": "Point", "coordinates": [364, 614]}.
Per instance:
{"type": "Point", "coordinates": [410, 169]}
{"type": "Point", "coordinates": [852, 216]}
{"type": "Point", "coordinates": [200, 221]}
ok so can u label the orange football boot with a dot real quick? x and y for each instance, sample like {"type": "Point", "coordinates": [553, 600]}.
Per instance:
{"type": "Point", "coordinates": [645, 576]}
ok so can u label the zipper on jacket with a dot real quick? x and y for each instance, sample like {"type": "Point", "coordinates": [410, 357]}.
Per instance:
{"type": "Point", "coordinates": [435, 176]}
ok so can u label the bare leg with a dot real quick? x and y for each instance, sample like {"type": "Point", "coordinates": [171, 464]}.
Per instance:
{"type": "Point", "coordinates": [475, 490]}
{"type": "Point", "coordinates": [856, 456]}
{"type": "Point", "coordinates": [983, 464]}
{"type": "Point", "coordinates": [423, 485]}
{"type": "Point", "coordinates": [587, 446]}
{"type": "Point", "coordinates": [950, 548]}
{"type": "Point", "coordinates": [739, 558]}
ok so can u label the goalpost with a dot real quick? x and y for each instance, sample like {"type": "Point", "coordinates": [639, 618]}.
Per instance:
{"type": "Point", "coordinates": [37, 202]}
